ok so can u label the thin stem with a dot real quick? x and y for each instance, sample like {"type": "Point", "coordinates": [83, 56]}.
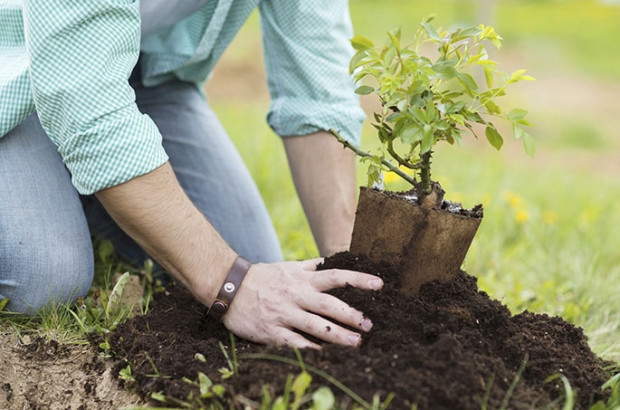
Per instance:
{"type": "Point", "coordinates": [362, 153]}
{"type": "Point", "coordinates": [514, 383]}
{"type": "Point", "coordinates": [401, 161]}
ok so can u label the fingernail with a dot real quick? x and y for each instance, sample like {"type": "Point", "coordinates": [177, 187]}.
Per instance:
{"type": "Point", "coordinates": [376, 283]}
{"type": "Point", "coordinates": [366, 324]}
{"type": "Point", "coordinates": [354, 340]}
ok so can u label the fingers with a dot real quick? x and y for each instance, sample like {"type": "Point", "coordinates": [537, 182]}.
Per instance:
{"type": "Point", "coordinates": [338, 278]}
{"type": "Point", "coordinates": [335, 309]}
{"type": "Point", "coordinates": [293, 339]}
{"type": "Point", "coordinates": [311, 264]}
{"type": "Point", "coordinates": [326, 330]}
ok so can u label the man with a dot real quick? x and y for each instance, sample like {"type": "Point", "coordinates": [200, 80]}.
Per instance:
{"type": "Point", "coordinates": [101, 116]}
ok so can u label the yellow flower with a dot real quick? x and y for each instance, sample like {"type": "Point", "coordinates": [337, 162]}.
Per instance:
{"type": "Point", "coordinates": [514, 200]}
{"type": "Point", "coordinates": [590, 215]}
{"type": "Point", "coordinates": [521, 216]}
{"type": "Point", "coordinates": [390, 177]}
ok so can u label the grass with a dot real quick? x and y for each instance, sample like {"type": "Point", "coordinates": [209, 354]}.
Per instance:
{"type": "Point", "coordinates": [549, 239]}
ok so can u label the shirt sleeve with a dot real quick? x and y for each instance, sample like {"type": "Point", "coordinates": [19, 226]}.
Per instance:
{"type": "Point", "coordinates": [81, 54]}
{"type": "Point", "coordinates": [307, 54]}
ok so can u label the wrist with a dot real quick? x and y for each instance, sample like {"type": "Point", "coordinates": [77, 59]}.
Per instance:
{"type": "Point", "coordinates": [229, 288]}
{"type": "Point", "coordinates": [205, 283]}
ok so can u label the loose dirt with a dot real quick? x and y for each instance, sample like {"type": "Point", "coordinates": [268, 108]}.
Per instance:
{"type": "Point", "coordinates": [448, 347]}
{"type": "Point", "coordinates": [42, 374]}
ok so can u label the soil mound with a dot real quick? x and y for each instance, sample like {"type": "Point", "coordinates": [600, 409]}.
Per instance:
{"type": "Point", "coordinates": [449, 347]}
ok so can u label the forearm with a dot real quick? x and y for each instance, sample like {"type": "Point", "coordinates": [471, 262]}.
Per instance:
{"type": "Point", "coordinates": [324, 176]}
{"type": "Point", "coordinates": [154, 210]}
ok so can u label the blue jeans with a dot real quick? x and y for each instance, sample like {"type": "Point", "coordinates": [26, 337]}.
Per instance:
{"type": "Point", "coordinates": [46, 251]}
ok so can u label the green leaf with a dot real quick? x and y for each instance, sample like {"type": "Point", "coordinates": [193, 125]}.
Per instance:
{"type": "Point", "coordinates": [456, 134]}
{"type": "Point", "coordinates": [430, 31]}
{"type": "Point", "coordinates": [468, 82]}
{"type": "Point", "coordinates": [467, 33]}
{"type": "Point", "coordinates": [388, 55]}
{"type": "Point", "coordinates": [445, 69]}
{"type": "Point", "coordinates": [456, 107]}
{"type": "Point", "coordinates": [494, 138]}
{"type": "Point", "coordinates": [519, 76]}
{"type": "Point", "coordinates": [361, 43]}
{"type": "Point", "coordinates": [442, 125]}
{"type": "Point", "coordinates": [323, 399]}
{"type": "Point", "coordinates": [374, 172]}
{"type": "Point", "coordinates": [411, 134]}
{"type": "Point", "coordinates": [492, 108]}
{"type": "Point", "coordinates": [205, 384]}
{"type": "Point", "coordinates": [383, 134]}
{"type": "Point", "coordinates": [159, 396]}
{"type": "Point", "coordinates": [517, 114]}
{"type": "Point", "coordinates": [417, 114]}
{"type": "Point", "coordinates": [431, 114]}
{"type": "Point", "coordinates": [364, 90]}
{"type": "Point", "coordinates": [356, 60]}
{"type": "Point", "coordinates": [474, 117]}
{"type": "Point", "coordinates": [218, 390]}
{"type": "Point", "coordinates": [428, 139]}
{"type": "Point", "coordinates": [457, 118]}
{"type": "Point", "coordinates": [116, 295]}
{"type": "Point", "coordinates": [301, 384]}
{"type": "Point", "coordinates": [3, 303]}
{"type": "Point", "coordinates": [395, 38]}
{"type": "Point", "coordinates": [394, 117]}
{"type": "Point", "coordinates": [488, 76]}
{"type": "Point", "coordinates": [528, 144]}
{"type": "Point", "coordinates": [279, 404]}
{"type": "Point", "coordinates": [125, 374]}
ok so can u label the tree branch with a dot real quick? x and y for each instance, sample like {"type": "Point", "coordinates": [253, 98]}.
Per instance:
{"type": "Point", "coordinates": [362, 153]}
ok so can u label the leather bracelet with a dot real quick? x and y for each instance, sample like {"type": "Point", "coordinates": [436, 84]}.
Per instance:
{"type": "Point", "coordinates": [229, 288]}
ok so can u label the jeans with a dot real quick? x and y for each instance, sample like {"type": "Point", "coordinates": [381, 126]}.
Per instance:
{"type": "Point", "coordinates": [46, 251]}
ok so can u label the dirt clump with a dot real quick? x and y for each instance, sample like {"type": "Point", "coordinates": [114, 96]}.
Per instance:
{"type": "Point", "coordinates": [449, 347]}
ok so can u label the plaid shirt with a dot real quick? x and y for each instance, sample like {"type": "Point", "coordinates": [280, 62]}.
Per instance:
{"type": "Point", "coordinates": [70, 60]}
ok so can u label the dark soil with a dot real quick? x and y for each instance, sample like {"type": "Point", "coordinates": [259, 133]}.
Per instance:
{"type": "Point", "coordinates": [449, 347]}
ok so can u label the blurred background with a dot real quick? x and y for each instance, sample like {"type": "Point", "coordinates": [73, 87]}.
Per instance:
{"type": "Point", "coordinates": [550, 239]}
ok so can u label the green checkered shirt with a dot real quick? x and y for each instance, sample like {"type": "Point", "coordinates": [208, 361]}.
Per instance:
{"type": "Point", "coordinates": [69, 60]}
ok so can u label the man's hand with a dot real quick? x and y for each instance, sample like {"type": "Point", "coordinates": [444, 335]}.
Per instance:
{"type": "Point", "coordinates": [273, 300]}
{"type": "Point", "coordinates": [277, 299]}
{"type": "Point", "coordinates": [324, 175]}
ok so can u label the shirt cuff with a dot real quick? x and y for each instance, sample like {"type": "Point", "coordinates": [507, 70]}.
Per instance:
{"type": "Point", "coordinates": [125, 145]}
{"type": "Point", "coordinates": [295, 116]}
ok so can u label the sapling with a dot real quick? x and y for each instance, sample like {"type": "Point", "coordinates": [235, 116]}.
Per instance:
{"type": "Point", "coordinates": [426, 100]}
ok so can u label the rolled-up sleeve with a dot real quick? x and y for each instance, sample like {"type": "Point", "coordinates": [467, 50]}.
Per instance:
{"type": "Point", "coordinates": [307, 53]}
{"type": "Point", "coordinates": [81, 55]}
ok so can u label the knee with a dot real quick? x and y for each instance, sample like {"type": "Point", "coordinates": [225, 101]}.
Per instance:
{"type": "Point", "coordinates": [45, 275]}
